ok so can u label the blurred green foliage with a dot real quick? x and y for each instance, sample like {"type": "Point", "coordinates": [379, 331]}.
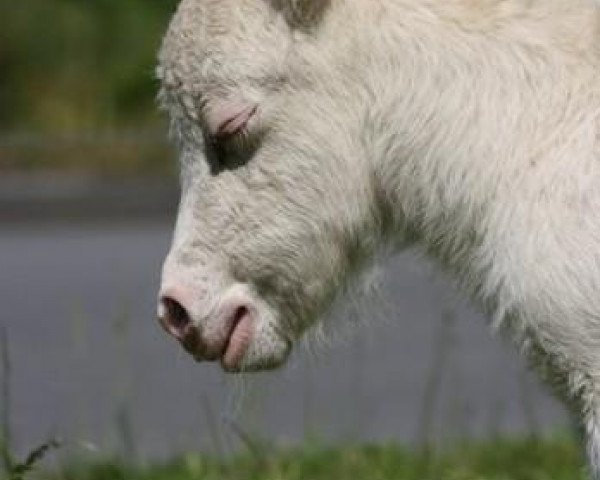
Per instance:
{"type": "Point", "coordinates": [79, 65]}
{"type": "Point", "coordinates": [528, 459]}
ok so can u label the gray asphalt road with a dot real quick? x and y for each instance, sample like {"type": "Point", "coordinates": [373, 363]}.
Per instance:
{"type": "Point", "coordinates": [90, 364]}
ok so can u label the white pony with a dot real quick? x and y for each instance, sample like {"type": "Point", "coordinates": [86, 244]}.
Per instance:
{"type": "Point", "coordinates": [313, 133]}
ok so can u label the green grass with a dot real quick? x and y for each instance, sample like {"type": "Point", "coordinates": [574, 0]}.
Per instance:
{"type": "Point", "coordinates": [557, 459]}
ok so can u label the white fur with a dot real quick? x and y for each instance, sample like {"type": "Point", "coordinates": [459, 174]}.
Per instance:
{"type": "Point", "coordinates": [469, 127]}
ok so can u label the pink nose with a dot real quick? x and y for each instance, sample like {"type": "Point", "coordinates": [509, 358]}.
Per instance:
{"type": "Point", "coordinates": [176, 321]}
{"type": "Point", "coordinates": [235, 325]}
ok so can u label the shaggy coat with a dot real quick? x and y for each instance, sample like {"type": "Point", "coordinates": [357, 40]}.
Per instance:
{"type": "Point", "coordinates": [315, 133]}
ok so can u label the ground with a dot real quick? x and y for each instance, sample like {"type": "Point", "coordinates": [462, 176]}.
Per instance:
{"type": "Point", "coordinates": [528, 459]}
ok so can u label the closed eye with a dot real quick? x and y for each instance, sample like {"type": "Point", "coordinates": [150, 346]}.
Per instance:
{"type": "Point", "coordinates": [228, 127]}
{"type": "Point", "coordinates": [236, 122]}
{"type": "Point", "coordinates": [231, 149]}
{"type": "Point", "coordinates": [226, 119]}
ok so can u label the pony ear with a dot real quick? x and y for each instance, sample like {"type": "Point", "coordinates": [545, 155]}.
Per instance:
{"type": "Point", "coordinates": [302, 13]}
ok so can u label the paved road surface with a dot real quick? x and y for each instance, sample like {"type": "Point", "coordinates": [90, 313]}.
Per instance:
{"type": "Point", "coordinates": [90, 364]}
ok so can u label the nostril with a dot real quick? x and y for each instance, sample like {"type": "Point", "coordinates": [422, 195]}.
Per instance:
{"type": "Point", "coordinates": [174, 317]}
